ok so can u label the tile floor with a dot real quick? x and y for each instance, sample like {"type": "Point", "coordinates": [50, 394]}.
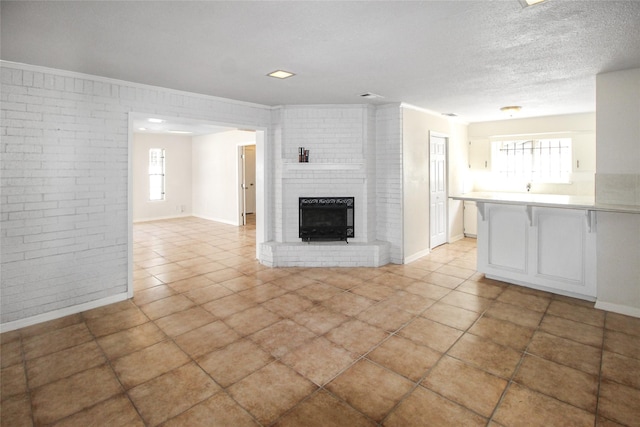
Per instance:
{"type": "Point", "coordinates": [214, 339]}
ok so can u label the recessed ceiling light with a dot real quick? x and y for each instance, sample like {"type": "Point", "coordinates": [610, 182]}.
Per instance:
{"type": "Point", "coordinates": [142, 128]}
{"type": "Point", "coordinates": [511, 110]}
{"type": "Point", "coordinates": [527, 3]}
{"type": "Point", "coordinates": [280, 74]}
{"type": "Point", "coordinates": [155, 120]}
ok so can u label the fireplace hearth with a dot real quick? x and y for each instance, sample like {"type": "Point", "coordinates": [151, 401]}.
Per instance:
{"type": "Point", "coordinates": [326, 218]}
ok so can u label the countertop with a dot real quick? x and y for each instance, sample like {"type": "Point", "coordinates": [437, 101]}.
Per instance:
{"type": "Point", "coordinates": [546, 200]}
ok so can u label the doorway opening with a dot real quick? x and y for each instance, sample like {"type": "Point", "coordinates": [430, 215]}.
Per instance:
{"type": "Point", "coordinates": [247, 179]}
{"type": "Point", "coordinates": [201, 173]}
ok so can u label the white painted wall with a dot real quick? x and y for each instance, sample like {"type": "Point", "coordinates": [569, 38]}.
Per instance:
{"type": "Point", "coordinates": [580, 127]}
{"type": "Point", "coordinates": [177, 176]}
{"type": "Point", "coordinates": [618, 182]}
{"type": "Point", "coordinates": [416, 125]}
{"type": "Point", "coordinates": [215, 175]}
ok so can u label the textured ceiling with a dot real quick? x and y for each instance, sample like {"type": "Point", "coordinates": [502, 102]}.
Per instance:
{"type": "Point", "coordinates": [464, 57]}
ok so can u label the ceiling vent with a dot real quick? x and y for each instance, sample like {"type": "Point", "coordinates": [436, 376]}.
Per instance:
{"type": "Point", "coordinates": [371, 95]}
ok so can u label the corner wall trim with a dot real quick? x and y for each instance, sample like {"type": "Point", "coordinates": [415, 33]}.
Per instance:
{"type": "Point", "coordinates": [56, 314]}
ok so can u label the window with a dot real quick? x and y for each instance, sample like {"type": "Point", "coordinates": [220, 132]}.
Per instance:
{"type": "Point", "coordinates": [539, 160]}
{"type": "Point", "coordinates": [156, 174]}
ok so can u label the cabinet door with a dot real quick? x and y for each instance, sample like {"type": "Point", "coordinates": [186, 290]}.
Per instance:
{"type": "Point", "coordinates": [470, 219]}
{"type": "Point", "coordinates": [480, 154]}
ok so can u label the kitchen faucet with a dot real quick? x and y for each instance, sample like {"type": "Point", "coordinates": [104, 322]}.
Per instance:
{"type": "Point", "coordinates": [528, 186]}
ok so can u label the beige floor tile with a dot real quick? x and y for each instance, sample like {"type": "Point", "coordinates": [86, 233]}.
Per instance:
{"type": "Point", "coordinates": [484, 290]}
{"type": "Point", "coordinates": [116, 322]}
{"type": "Point", "coordinates": [191, 284]}
{"type": "Point", "coordinates": [627, 345]}
{"type": "Point", "coordinates": [115, 412]}
{"type": "Point", "coordinates": [172, 276]}
{"type": "Point", "coordinates": [486, 355]}
{"type": "Point", "coordinates": [343, 281]}
{"type": "Point", "coordinates": [357, 336]}
{"type": "Point", "coordinates": [502, 332]}
{"type": "Point", "coordinates": [152, 294]}
{"type": "Point", "coordinates": [318, 291]}
{"type": "Point", "coordinates": [10, 353]}
{"type": "Point", "coordinates": [59, 339]}
{"type": "Point", "coordinates": [271, 391]}
{"type": "Point", "coordinates": [619, 403]}
{"type": "Point", "coordinates": [282, 337]}
{"type": "Point", "coordinates": [449, 315]}
{"type": "Point", "coordinates": [524, 407]}
{"type": "Point", "coordinates": [621, 369]}
{"type": "Point", "coordinates": [143, 365]}
{"type": "Point", "coordinates": [251, 320]}
{"type": "Point", "coordinates": [294, 281]}
{"type": "Point", "coordinates": [370, 388]}
{"type": "Point", "coordinates": [16, 412]}
{"type": "Point", "coordinates": [456, 271]}
{"type": "Point", "coordinates": [109, 309]}
{"type": "Point", "coordinates": [625, 324]}
{"type": "Point", "coordinates": [184, 321]}
{"type": "Point", "coordinates": [514, 314]}
{"type": "Point", "coordinates": [172, 393]}
{"type": "Point", "coordinates": [468, 386]}
{"type": "Point", "coordinates": [287, 305]}
{"type": "Point", "coordinates": [208, 293]}
{"type": "Point", "coordinates": [52, 325]}
{"type": "Point", "coordinates": [603, 422]}
{"type": "Point", "coordinates": [263, 293]}
{"type": "Point", "coordinates": [432, 334]}
{"type": "Point", "coordinates": [410, 302]}
{"type": "Point", "coordinates": [218, 410]}
{"type": "Point", "coordinates": [348, 303]}
{"type": "Point", "coordinates": [206, 339]}
{"type": "Point", "coordinates": [394, 281]}
{"type": "Point", "coordinates": [386, 316]}
{"type": "Point", "coordinates": [562, 382]}
{"type": "Point", "coordinates": [319, 360]}
{"type": "Point", "coordinates": [427, 290]}
{"type": "Point", "coordinates": [166, 306]}
{"type": "Point", "coordinates": [64, 363]}
{"type": "Point", "coordinates": [444, 280]}
{"type": "Point", "coordinates": [577, 313]}
{"type": "Point", "coordinates": [242, 283]}
{"type": "Point", "coordinates": [373, 291]}
{"type": "Point", "coordinates": [13, 381]}
{"type": "Point", "coordinates": [130, 340]}
{"type": "Point", "coordinates": [69, 395]}
{"type": "Point", "coordinates": [426, 408]}
{"type": "Point", "coordinates": [405, 357]}
{"type": "Point", "coordinates": [223, 275]}
{"type": "Point", "coordinates": [322, 409]}
{"type": "Point", "coordinates": [319, 319]}
{"type": "Point", "coordinates": [514, 296]}
{"type": "Point", "coordinates": [467, 301]}
{"type": "Point", "coordinates": [227, 306]}
{"type": "Point", "coordinates": [576, 331]}
{"type": "Point", "coordinates": [566, 352]}
{"type": "Point", "coordinates": [234, 362]}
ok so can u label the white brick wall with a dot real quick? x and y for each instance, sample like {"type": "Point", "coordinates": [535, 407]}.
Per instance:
{"type": "Point", "coordinates": [64, 181]}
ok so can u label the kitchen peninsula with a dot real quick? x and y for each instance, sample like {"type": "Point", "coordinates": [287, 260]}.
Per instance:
{"type": "Point", "coordinates": [542, 241]}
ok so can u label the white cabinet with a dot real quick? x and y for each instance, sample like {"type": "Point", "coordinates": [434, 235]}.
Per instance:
{"type": "Point", "coordinates": [545, 248]}
{"type": "Point", "coordinates": [480, 154]}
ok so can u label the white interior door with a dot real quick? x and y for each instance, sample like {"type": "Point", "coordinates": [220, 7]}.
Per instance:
{"type": "Point", "coordinates": [250, 178]}
{"type": "Point", "coordinates": [438, 189]}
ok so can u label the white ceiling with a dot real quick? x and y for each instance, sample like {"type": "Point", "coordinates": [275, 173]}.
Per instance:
{"type": "Point", "coordinates": [463, 57]}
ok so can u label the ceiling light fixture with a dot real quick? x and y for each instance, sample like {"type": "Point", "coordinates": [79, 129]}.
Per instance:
{"type": "Point", "coordinates": [511, 110]}
{"type": "Point", "coordinates": [142, 128]}
{"type": "Point", "coordinates": [527, 3]}
{"type": "Point", "coordinates": [371, 95]}
{"type": "Point", "coordinates": [185, 132]}
{"type": "Point", "coordinates": [280, 74]}
{"type": "Point", "coordinates": [450, 114]}
{"type": "Point", "coordinates": [155, 120]}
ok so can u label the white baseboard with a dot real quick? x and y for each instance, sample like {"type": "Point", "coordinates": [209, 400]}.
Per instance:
{"type": "Point", "coordinates": [618, 308]}
{"type": "Point", "coordinates": [416, 256]}
{"type": "Point", "coordinates": [56, 314]}
{"type": "Point", "coordinates": [456, 238]}
{"type": "Point", "coordinates": [160, 218]}
{"type": "Point", "coordinates": [224, 221]}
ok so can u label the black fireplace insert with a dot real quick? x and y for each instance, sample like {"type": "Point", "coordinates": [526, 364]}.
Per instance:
{"type": "Point", "coordinates": [326, 218]}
